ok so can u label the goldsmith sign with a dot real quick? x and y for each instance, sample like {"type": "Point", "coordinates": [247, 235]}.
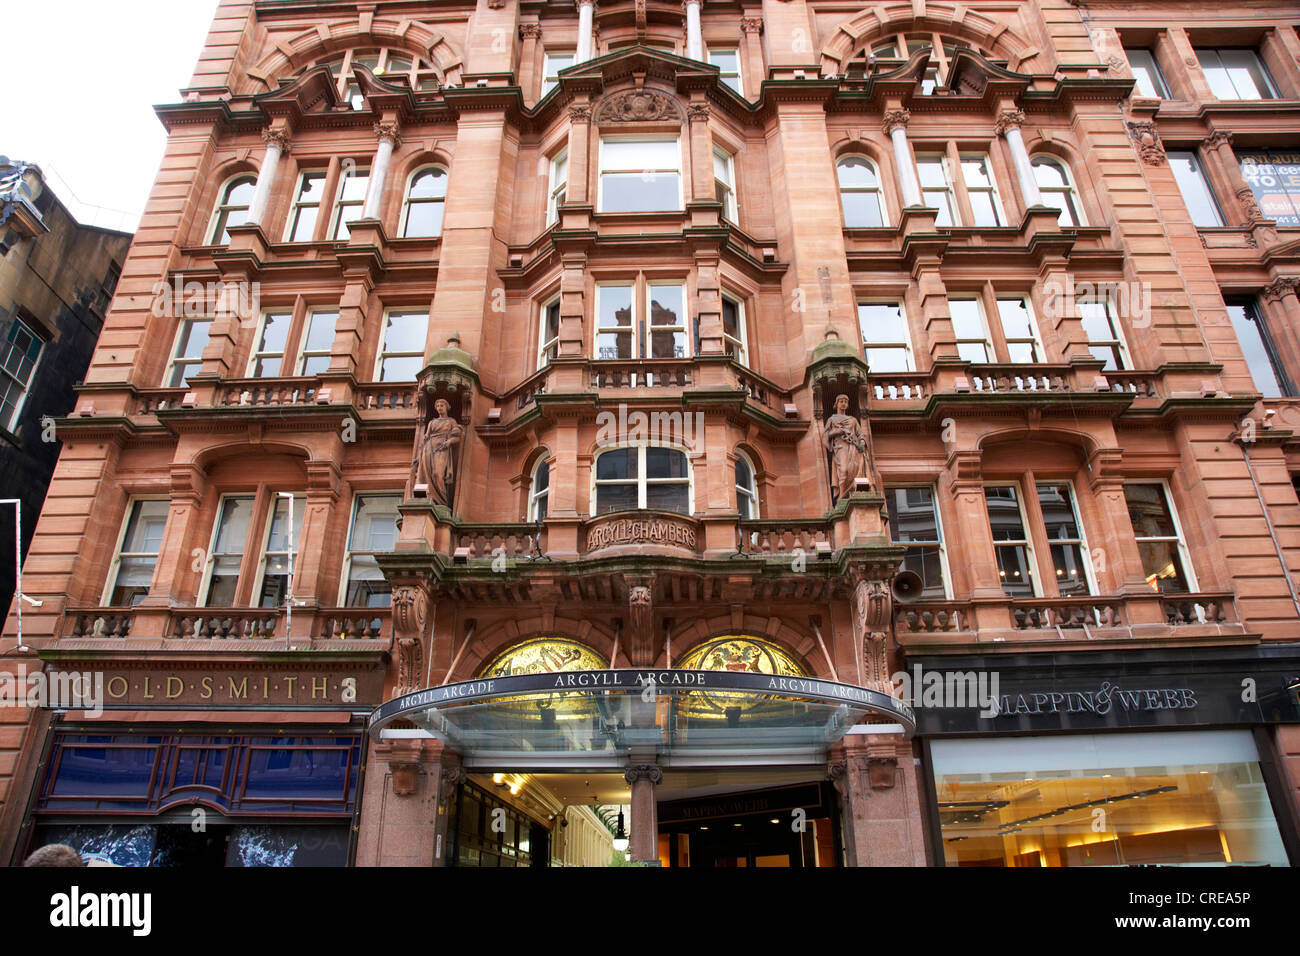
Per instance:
{"type": "Point", "coordinates": [228, 688]}
{"type": "Point", "coordinates": [640, 531]}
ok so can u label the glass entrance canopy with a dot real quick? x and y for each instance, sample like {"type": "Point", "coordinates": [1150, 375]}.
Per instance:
{"type": "Point", "coordinates": [595, 718]}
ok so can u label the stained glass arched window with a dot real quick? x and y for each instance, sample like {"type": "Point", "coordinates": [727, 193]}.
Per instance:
{"type": "Point", "coordinates": [738, 652]}
{"type": "Point", "coordinates": [544, 655]}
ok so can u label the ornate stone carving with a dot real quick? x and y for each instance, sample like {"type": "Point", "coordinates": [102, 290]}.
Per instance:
{"type": "Point", "coordinates": [1246, 196]}
{"type": "Point", "coordinates": [643, 771]}
{"type": "Point", "coordinates": [530, 31]}
{"type": "Point", "coordinates": [872, 609]}
{"type": "Point", "coordinates": [847, 445]}
{"type": "Point", "coordinates": [1281, 287]}
{"type": "Point", "coordinates": [751, 24]}
{"type": "Point", "coordinates": [1116, 64]}
{"type": "Point", "coordinates": [410, 618]}
{"type": "Point", "coordinates": [638, 106]}
{"type": "Point", "coordinates": [1146, 138]}
{"type": "Point", "coordinates": [1009, 119]}
{"type": "Point", "coordinates": [389, 130]}
{"type": "Point", "coordinates": [496, 4]}
{"type": "Point", "coordinates": [1219, 137]}
{"type": "Point", "coordinates": [452, 777]}
{"type": "Point", "coordinates": [894, 119]}
{"type": "Point", "coordinates": [882, 766]}
{"type": "Point", "coordinates": [669, 530]}
{"type": "Point", "coordinates": [436, 458]}
{"type": "Point", "coordinates": [276, 137]}
{"type": "Point", "coordinates": [698, 112]}
{"type": "Point", "coordinates": [580, 114]}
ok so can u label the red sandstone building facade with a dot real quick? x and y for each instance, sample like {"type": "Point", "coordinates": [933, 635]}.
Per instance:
{"type": "Point", "coordinates": [466, 346]}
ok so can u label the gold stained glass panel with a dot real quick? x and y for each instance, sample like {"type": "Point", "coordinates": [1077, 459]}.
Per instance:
{"type": "Point", "coordinates": [738, 653]}
{"type": "Point", "coordinates": [544, 655]}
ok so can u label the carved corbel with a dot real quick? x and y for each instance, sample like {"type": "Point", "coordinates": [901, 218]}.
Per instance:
{"type": "Point", "coordinates": [1148, 143]}
{"type": "Point", "coordinates": [872, 625]}
{"type": "Point", "coordinates": [404, 758]}
{"type": "Point", "coordinates": [640, 605]}
{"type": "Point", "coordinates": [411, 620]}
{"type": "Point", "coordinates": [882, 765]}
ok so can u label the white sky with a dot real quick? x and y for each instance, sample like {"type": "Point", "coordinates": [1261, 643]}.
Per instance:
{"type": "Point", "coordinates": [78, 83]}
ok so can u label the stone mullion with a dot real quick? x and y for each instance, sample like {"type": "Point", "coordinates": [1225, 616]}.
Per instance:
{"type": "Point", "coordinates": [577, 191]}
{"type": "Point", "coordinates": [529, 34]}
{"type": "Point", "coordinates": [350, 329]}
{"type": "Point", "coordinates": [1186, 66]}
{"type": "Point", "coordinates": [701, 158]}
{"type": "Point", "coordinates": [1059, 321]}
{"type": "Point", "coordinates": [941, 340]}
{"type": "Point", "coordinates": [311, 583]}
{"type": "Point", "coordinates": [751, 29]}
{"type": "Point", "coordinates": [573, 306]}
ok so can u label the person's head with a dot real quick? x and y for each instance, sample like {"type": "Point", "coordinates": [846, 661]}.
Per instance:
{"type": "Point", "coordinates": [841, 403]}
{"type": "Point", "coordinates": [56, 854]}
{"type": "Point", "coordinates": [442, 406]}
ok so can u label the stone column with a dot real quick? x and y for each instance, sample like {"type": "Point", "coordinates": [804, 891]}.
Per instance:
{"type": "Point", "coordinates": [896, 129]}
{"type": "Point", "coordinates": [529, 33]}
{"type": "Point", "coordinates": [880, 801]}
{"type": "Point", "coordinates": [643, 840]}
{"type": "Point", "coordinates": [1218, 152]}
{"type": "Point", "coordinates": [1008, 126]}
{"type": "Point", "coordinates": [750, 30]}
{"type": "Point", "coordinates": [585, 11]}
{"type": "Point", "coordinates": [701, 151]}
{"type": "Point", "coordinates": [694, 35]}
{"type": "Point", "coordinates": [277, 144]}
{"type": "Point", "coordinates": [410, 788]}
{"type": "Point", "coordinates": [389, 136]}
{"type": "Point", "coordinates": [575, 192]}
{"type": "Point", "coordinates": [1282, 304]}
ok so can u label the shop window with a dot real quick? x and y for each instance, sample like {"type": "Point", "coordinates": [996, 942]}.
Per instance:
{"type": "Point", "coordinates": [1159, 539]}
{"type": "Point", "coordinates": [318, 343]}
{"type": "Point", "coordinates": [350, 202]}
{"type": "Point", "coordinates": [1274, 178]}
{"type": "Point", "coordinates": [373, 531]}
{"type": "Point", "coordinates": [1195, 188]}
{"type": "Point", "coordinates": [131, 572]}
{"type": "Point", "coordinates": [539, 491]}
{"type": "Point", "coordinates": [1236, 74]}
{"type": "Point", "coordinates": [232, 208]}
{"type": "Point", "coordinates": [640, 174]}
{"type": "Point", "coordinates": [187, 352]}
{"type": "Point", "coordinates": [307, 201]}
{"type": "Point", "coordinates": [548, 334]}
{"type": "Point", "coordinates": [1148, 80]}
{"type": "Point", "coordinates": [727, 60]}
{"type": "Point", "coordinates": [860, 193]}
{"type": "Point", "coordinates": [1105, 339]}
{"type": "Point", "coordinates": [642, 477]}
{"type": "Point", "coordinates": [426, 198]}
{"type": "Point", "coordinates": [1053, 181]}
{"type": "Point", "coordinates": [553, 63]}
{"type": "Point", "coordinates": [885, 340]}
{"type": "Point", "coordinates": [734, 336]}
{"type": "Point", "coordinates": [22, 351]}
{"type": "Point", "coordinates": [1168, 798]}
{"type": "Point", "coordinates": [1258, 348]}
{"type": "Point", "coordinates": [402, 355]}
{"type": "Point", "coordinates": [746, 488]}
{"type": "Point", "coordinates": [914, 521]}
{"type": "Point", "coordinates": [559, 184]}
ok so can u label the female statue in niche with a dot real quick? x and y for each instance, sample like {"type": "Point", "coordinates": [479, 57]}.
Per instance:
{"type": "Point", "coordinates": [848, 449]}
{"type": "Point", "coordinates": [436, 462]}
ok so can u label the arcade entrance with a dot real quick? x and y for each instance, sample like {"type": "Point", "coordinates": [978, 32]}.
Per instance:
{"type": "Point", "coordinates": [735, 819]}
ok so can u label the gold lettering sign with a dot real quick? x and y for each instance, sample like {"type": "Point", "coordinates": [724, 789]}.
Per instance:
{"type": "Point", "coordinates": [361, 686]}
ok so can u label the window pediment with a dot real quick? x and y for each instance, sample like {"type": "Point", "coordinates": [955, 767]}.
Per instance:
{"type": "Point", "coordinates": [638, 106]}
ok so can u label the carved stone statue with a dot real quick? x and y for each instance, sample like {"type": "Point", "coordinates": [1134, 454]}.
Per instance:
{"type": "Point", "coordinates": [436, 459]}
{"type": "Point", "coordinates": [848, 449]}
{"type": "Point", "coordinates": [872, 610]}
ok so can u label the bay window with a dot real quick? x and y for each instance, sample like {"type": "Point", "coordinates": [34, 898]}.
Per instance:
{"type": "Point", "coordinates": [558, 185]}
{"type": "Point", "coordinates": [734, 337]}
{"type": "Point", "coordinates": [373, 531]}
{"type": "Point", "coordinates": [1105, 340]}
{"type": "Point", "coordinates": [1159, 538]}
{"type": "Point", "coordinates": [914, 520]}
{"type": "Point", "coordinates": [1012, 546]}
{"type": "Point", "coordinates": [267, 358]}
{"type": "Point", "coordinates": [318, 342]}
{"type": "Point", "coordinates": [279, 551]}
{"type": "Point", "coordinates": [349, 202]}
{"type": "Point", "coordinates": [973, 344]}
{"type": "Point", "coordinates": [307, 199]}
{"type": "Point", "coordinates": [539, 491]}
{"type": "Point", "coordinates": [936, 188]}
{"type": "Point", "coordinates": [548, 334]}
{"type": "Point", "coordinates": [402, 355]}
{"type": "Point", "coordinates": [724, 182]}
{"type": "Point", "coordinates": [746, 490]}
{"type": "Point", "coordinates": [727, 60]}
{"type": "Point", "coordinates": [131, 573]}
{"type": "Point", "coordinates": [187, 352]}
{"type": "Point", "coordinates": [1195, 189]}
{"type": "Point", "coordinates": [981, 190]}
{"type": "Point", "coordinates": [884, 336]}
{"type": "Point", "coordinates": [640, 174]}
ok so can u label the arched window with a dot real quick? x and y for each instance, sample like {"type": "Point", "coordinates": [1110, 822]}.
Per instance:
{"type": "Point", "coordinates": [389, 65]}
{"type": "Point", "coordinates": [539, 491]}
{"type": "Point", "coordinates": [1054, 184]}
{"type": "Point", "coordinates": [232, 208]}
{"type": "Point", "coordinates": [860, 192]}
{"type": "Point", "coordinates": [746, 489]}
{"type": "Point", "coordinates": [739, 652]}
{"type": "Point", "coordinates": [544, 655]}
{"type": "Point", "coordinates": [902, 46]}
{"type": "Point", "coordinates": [425, 198]}
{"type": "Point", "coordinates": [642, 477]}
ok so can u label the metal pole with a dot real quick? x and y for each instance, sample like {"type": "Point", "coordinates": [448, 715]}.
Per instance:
{"type": "Point", "coordinates": [18, 563]}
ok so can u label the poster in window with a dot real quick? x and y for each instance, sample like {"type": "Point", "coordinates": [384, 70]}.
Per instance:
{"type": "Point", "coordinates": [1274, 177]}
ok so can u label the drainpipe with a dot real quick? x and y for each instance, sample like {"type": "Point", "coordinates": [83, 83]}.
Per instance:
{"type": "Point", "coordinates": [1268, 521]}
